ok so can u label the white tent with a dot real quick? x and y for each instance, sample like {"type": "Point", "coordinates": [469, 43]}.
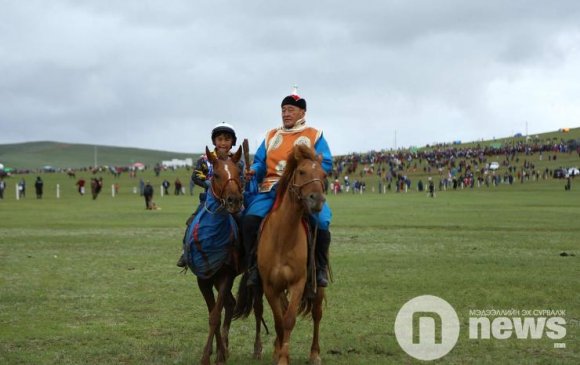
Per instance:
{"type": "Point", "coordinates": [138, 166]}
{"type": "Point", "coordinates": [1, 166]}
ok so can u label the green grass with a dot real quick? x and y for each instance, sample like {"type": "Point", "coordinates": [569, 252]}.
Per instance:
{"type": "Point", "coordinates": [87, 282]}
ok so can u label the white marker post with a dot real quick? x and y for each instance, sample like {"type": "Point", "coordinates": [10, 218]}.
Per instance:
{"type": "Point", "coordinates": [17, 191]}
{"type": "Point", "coordinates": [58, 191]}
{"type": "Point", "coordinates": [113, 190]}
{"type": "Point", "coordinates": [161, 190]}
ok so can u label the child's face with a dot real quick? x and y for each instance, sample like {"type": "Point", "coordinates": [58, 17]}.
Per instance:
{"type": "Point", "coordinates": [223, 142]}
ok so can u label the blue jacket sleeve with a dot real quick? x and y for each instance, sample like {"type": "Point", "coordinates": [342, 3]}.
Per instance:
{"type": "Point", "coordinates": [322, 148]}
{"type": "Point", "coordinates": [259, 164]}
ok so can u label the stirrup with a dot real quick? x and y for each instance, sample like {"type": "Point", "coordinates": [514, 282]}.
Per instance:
{"type": "Point", "coordinates": [181, 262]}
{"type": "Point", "coordinates": [253, 279]}
{"type": "Point", "coordinates": [322, 279]}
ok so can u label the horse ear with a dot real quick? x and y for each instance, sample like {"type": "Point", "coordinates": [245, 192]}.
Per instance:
{"type": "Point", "coordinates": [210, 156]}
{"type": "Point", "coordinates": [236, 157]}
{"type": "Point", "coordinates": [298, 152]}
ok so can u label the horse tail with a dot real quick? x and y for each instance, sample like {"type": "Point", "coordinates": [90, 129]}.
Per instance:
{"type": "Point", "coordinates": [245, 298]}
{"type": "Point", "coordinates": [306, 303]}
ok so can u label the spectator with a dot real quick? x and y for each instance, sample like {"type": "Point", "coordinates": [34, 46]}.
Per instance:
{"type": "Point", "coordinates": [22, 188]}
{"type": "Point", "coordinates": [148, 194]}
{"type": "Point", "coordinates": [141, 187]}
{"type": "Point", "coordinates": [177, 186]}
{"type": "Point", "coordinates": [166, 184]}
{"type": "Point", "coordinates": [39, 185]}
{"type": "Point", "coordinates": [81, 186]}
{"type": "Point", "coordinates": [2, 188]}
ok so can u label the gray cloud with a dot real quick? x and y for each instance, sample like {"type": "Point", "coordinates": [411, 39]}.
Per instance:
{"type": "Point", "coordinates": [160, 75]}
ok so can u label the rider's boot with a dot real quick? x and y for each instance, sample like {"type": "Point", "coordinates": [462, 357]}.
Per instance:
{"type": "Point", "coordinates": [182, 262]}
{"type": "Point", "coordinates": [250, 227]}
{"type": "Point", "coordinates": [321, 253]}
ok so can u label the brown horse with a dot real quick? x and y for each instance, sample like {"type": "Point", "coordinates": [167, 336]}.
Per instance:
{"type": "Point", "coordinates": [283, 252]}
{"type": "Point", "coordinates": [211, 257]}
{"type": "Point", "coordinates": [96, 187]}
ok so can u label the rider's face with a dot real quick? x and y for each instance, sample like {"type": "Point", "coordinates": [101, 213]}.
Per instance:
{"type": "Point", "coordinates": [291, 114]}
{"type": "Point", "coordinates": [223, 142]}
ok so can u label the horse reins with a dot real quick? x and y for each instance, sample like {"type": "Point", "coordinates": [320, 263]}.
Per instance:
{"type": "Point", "coordinates": [297, 189]}
{"type": "Point", "coordinates": [219, 196]}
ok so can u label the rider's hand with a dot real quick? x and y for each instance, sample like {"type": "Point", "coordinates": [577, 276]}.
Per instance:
{"type": "Point", "coordinates": [249, 174]}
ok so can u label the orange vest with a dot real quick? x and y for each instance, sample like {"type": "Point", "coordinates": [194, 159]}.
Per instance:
{"type": "Point", "coordinates": [279, 143]}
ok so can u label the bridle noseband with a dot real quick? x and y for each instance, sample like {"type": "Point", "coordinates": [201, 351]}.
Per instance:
{"type": "Point", "coordinates": [219, 197]}
{"type": "Point", "coordinates": [218, 194]}
{"type": "Point", "coordinates": [297, 189]}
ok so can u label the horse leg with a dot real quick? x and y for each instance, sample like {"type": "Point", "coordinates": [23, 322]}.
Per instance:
{"type": "Point", "coordinates": [229, 302]}
{"type": "Point", "coordinates": [206, 290]}
{"type": "Point", "coordinates": [277, 312]}
{"type": "Point", "coordinates": [295, 292]}
{"type": "Point", "coordinates": [223, 285]}
{"type": "Point", "coordinates": [316, 317]}
{"type": "Point", "coordinates": [259, 314]}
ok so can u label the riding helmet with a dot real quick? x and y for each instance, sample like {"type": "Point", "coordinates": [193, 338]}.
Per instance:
{"type": "Point", "coordinates": [223, 128]}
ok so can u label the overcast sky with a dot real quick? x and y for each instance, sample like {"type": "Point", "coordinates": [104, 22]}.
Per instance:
{"type": "Point", "coordinates": [375, 74]}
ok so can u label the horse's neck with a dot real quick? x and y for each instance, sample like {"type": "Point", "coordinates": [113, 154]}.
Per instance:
{"type": "Point", "coordinates": [292, 212]}
{"type": "Point", "coordinates": [213, 206]}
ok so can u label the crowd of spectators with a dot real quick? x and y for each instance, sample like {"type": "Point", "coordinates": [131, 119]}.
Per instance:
{"type": "Point", "coordinates": [456, 167]}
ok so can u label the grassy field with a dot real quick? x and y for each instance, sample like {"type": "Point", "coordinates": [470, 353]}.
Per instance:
{"type": "Point", "coordinates": [95, 282]}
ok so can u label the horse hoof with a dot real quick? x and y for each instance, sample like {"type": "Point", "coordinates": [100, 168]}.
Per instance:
{"type": "Point", "coordinates": [315, 360]}
{"type": "Point", "coordinates": [258, 353]}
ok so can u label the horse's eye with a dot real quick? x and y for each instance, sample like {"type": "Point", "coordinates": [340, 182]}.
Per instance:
{"type": "Point", "coordinates": [217, 176]}
{"type": "Point", "coordinates": [301, 172]}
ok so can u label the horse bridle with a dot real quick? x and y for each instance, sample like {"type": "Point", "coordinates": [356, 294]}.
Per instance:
{"type": "Point", "coordinates": [219, 196]}
{"type": "Point", "coordinates": [297, 189]}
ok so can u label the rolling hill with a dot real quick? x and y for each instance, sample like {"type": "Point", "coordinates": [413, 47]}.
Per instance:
{"type": "Point", "coordinates": [34, 155]}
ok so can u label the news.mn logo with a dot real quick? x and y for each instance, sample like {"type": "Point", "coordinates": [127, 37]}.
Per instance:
{"type": "Point", "coordinates": [427, 327]}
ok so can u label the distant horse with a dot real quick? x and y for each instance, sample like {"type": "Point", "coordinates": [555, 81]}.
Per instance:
{"type": "Point", "coordinates": [96, 187]}
{"type": "Point", "coordinates": [115, 171]}
{"type": "Point", "coordinates": [71, 174]}
{"type": "Point", "coordinates": [209, 245]}
{"type": "Point", "coordinates": [284, 264]}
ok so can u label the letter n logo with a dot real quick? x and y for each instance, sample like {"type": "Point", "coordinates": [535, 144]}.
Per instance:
{"type": "Point", "coordinates": [429, 325]}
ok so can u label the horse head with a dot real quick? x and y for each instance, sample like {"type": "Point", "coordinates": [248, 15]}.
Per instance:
{"type": "Point", "coordinates": [307, 177]}
{"type": "Point", "coordinates": [225, 183]}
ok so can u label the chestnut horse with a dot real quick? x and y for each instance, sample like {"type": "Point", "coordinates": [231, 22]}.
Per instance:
{"type": "Point", "coordinates": [209, 246]}
{"type": "Point", "coordinates": [283, 253]}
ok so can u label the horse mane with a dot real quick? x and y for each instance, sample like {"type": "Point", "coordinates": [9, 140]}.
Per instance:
{"type": "Point", "coordinates": [299, 152]}
{"type": "Point", "coordinates": [222, 155]}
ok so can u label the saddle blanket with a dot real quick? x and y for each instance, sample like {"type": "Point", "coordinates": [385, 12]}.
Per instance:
{"type": "Point", "coordinates": [209, 239]}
